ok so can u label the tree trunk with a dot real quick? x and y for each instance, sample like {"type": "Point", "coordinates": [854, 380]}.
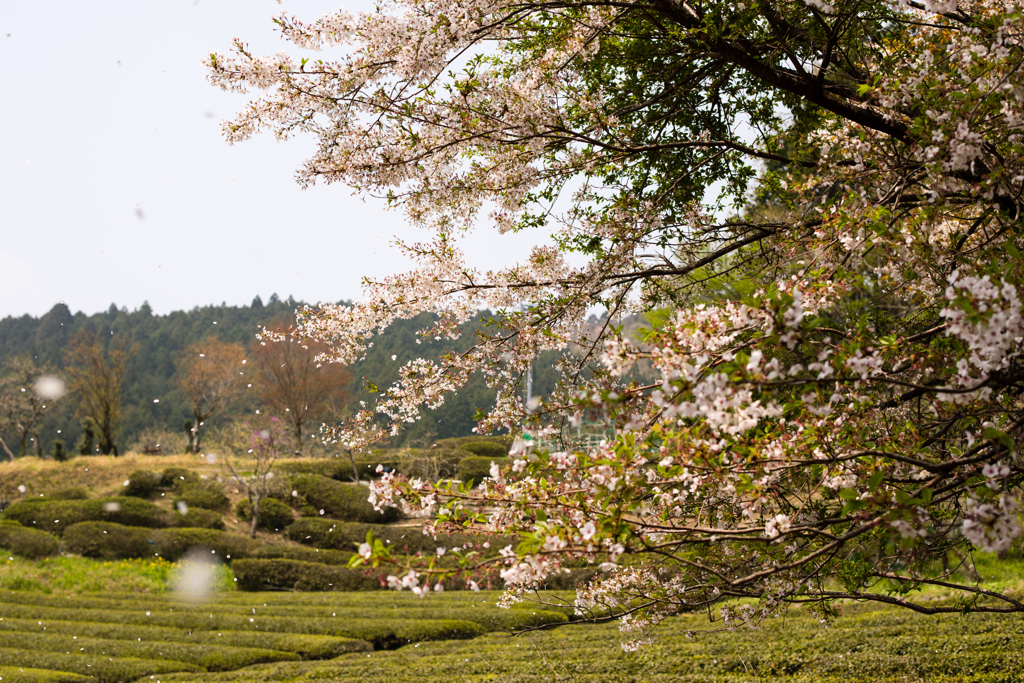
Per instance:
{"type": "Point", "coordinates": [254, 507]}
{"type": "Point", "coordinates": [193, 436]}
{"type": "Point", "coordinates": [298, 438]}
{"type": "Point", "coordinates": [106, 438]}
{"type": "Point", "coordinates": [355, 470]}
{"type": "Point", "coordinates": [7, 450]}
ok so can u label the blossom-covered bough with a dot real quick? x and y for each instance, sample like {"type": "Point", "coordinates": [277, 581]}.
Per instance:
{"type": "Point", "coordinates": [828, 403]}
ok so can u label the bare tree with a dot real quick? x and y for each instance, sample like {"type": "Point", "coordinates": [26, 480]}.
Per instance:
{"type": "Point", "coordinates": [210, 373]}
{"type": "Point", "coordinates": [292, 382]}
{"type": "Point", "coordinates": [256, 443]}
{"type": "Point", "coordinates": [26, 392]}
{"type": "Point", "coordinates": [96, 371]}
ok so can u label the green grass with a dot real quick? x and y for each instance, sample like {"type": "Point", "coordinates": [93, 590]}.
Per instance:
{"type": "Point", "coordinates": [82, 575]}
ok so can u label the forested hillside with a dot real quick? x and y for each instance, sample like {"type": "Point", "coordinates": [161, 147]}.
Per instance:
{"type": "Point", "coordinates": [151, 399]}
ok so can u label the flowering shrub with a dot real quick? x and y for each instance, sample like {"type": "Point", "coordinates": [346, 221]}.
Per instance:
{"type": "Point", "coordinates": [836, 368]}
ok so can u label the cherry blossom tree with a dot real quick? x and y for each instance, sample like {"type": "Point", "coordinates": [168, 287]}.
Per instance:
{"type": "Point", "coordinates": [253, 446]}
{"type": "Point", "coordinates": [815, 204]}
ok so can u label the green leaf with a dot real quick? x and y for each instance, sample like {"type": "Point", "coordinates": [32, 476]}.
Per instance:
{"type": "Point", "coordinates": [875, 479]}
{"type": "Point", "coordinates": [993, 434]}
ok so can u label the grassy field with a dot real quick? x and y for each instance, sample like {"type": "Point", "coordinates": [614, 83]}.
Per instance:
{"type": "Point", "coordinates": [82, 575]}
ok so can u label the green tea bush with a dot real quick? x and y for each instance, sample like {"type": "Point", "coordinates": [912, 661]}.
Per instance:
{"type": "Point", "coordinates": [219, 657]}
{"type": "Point", "coordinates": [486, 449]}
{"type": "Point", "coordinates": [306, 646]}
{"type": "Point", "coordinates": [261, 575]}
{"type": "Point", "coordinates": [333, 468]}
{"type": "Point", "coordinates": [388, 620]}
{"type": "Point", "coordinates": [99, 668]}
{"type": "Point", "coordinates": [176, 477]}
{"type": "Point", "coordinates": [478, 467]}
{"type": "Point", "coordinates": [341, 501]}
{"type": "Point", "coordinates": [404, 540]}
{"type": "Point", "coordinates": [17, 674]}
{"type": "Point", "coordinates": [142, 484]}
{"type": "Point", "coordinates": [31, 544]}
{"type": "Point", "coordinates": [203, 494]}
{"type": "Point", "coordinates": [292, 552]}
{"type": "Point", "coordinates": [109, 541]}
{"type": "Point", "coordinates": [465, 443]}
{"type": "Point", "coordinates": [74, 493]}
{"type": "Point", "coordinates": [325, 533]}
{"type": "Point", "coordinates": [173, 544]}
{"type": "Point", "coordinates": [198, 518]}
{"type": "Point", "coordinates": [432, 464]}
{"type": "Point", "coordinates": [56, 515]}
{"type": "Point", "coordinates": [415, 631]}
{"type": "Point", "coordinates": [274, 515]}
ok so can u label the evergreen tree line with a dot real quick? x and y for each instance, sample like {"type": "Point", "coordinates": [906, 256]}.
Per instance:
{"type": "Point", "coordinates": [151, 399]}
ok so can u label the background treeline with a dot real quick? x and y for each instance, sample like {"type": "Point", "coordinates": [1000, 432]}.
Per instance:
{"type": "Point", "coordinates": [157, 342]}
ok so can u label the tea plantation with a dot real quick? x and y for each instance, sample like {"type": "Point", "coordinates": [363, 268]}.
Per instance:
{"type": "Point", "coordinates": [391, 637]}
{"type": "Point", "coordinates": [125, 637]}
{"type": "Point", "coordinates": [87, 581]}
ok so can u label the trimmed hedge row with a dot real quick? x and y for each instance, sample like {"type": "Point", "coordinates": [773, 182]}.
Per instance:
{"type": "Point", "coordinates": [486, 449]}
{"type": "Point", "coordinates": [17, 674]}
{"type": "Point", "coordinates": [56, 515]}
{"type": "Point", "coordinates": [382, 633]}
{"type": "Point", "coordinates": [471, 443]}
{"type": "Point", "coordinates": [198, 518]}
{"type": "Point", "coordinates": [358, 606]}
{"type": "Point", "coordinates": [291, 552]}
{"type": "Point", "coordinates": [99, 668]}
{"type": "Point", "coordinates": [478, 467]}
{"type": "Point", "coordinates": [192, 489]}
{"type": "Point", "coordinates": [24, 542]}
{"type": "Point", "coordinates": [262, 575]}
{"type": "Point", "coordinates": [109, 541]}
{"type": "Point", "coordinates": [797, 649]}
{"type": "Point", "coordinates": [342, 501]}
{"type": "Point", "coordinates": [142, 484]}
{"type": "Point", "coordinates": [208, 657]}
{"type": "Point", "coordinates": [274, 515]}
{"type": "Point", "coordinates": [74, 493]}
{"type": "Point", "coordinates": [439, 461]}
{"type": "Point", "coordinates": [306, 646]}
{"type": "Point", "coordinates": [204, 494]}
{"type": "Point", "coordinates": [174, 543]}
{"type": "Point", "coordinates": [177, 477]}
{"type": "Point", "coordinates": [325, 533]}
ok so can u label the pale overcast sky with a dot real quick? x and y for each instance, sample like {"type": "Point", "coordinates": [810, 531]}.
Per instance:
{"type": "Point", "coordinates": [116, 187]}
